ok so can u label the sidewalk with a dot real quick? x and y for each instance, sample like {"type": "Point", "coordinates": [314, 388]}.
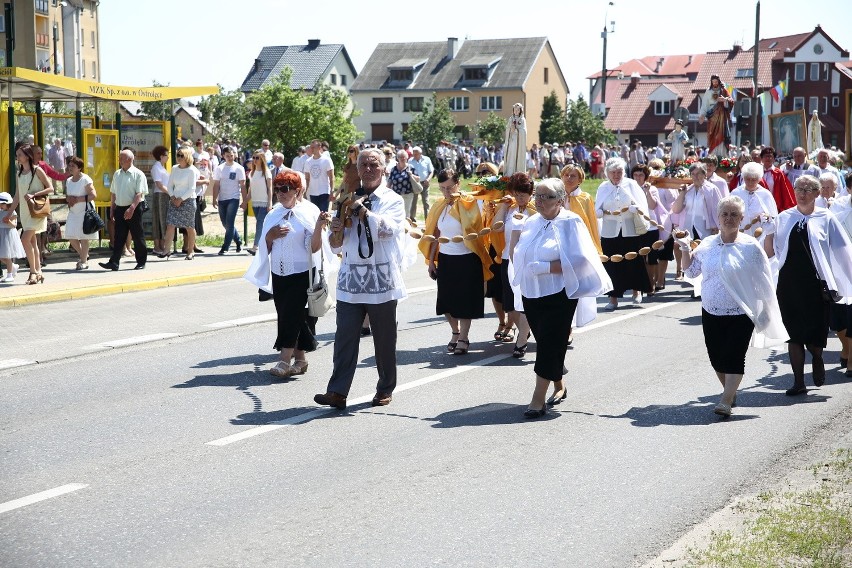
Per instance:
{"type": "Point", "coordinates": [63, 282]}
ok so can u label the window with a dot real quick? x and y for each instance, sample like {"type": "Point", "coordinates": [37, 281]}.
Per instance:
{"type": "Point", "coordinates": [41, 6]}
{"type": "Point", "coordinates": [83, 68]}
{"type": "Point", "coordinates": [332, 78]}
{"type": "Point", "coordinates": [546, 74]}
{"type": "Point", "coordinates": [402, 75]}
{"type": "Point", "coordinates": [835, 102]}
{"type": "Point", "coordinates": [192, 129]}
{"type": "Point", "coordinates": [744, 73]}
{"type": "Point", "coordinates": [459, 103]}
{"type": "Point", "coordinates": [813, 104]}
{"type": "Point", "coordinates": [3, 26]}
{"type": "Point", "coordinates": [814, 71]}
{"type": "Point", "coordinates": [2, 58]}
{"type": "Point", "coordinates": [798, 103]}
{"type": "Point", "coordinates": [382, 104]}
{"type": "Point", "coordinates": [745, 108]}
{"type": "Point", "coordinates": [476, 74]}
{"type": "Point", "coordinates": [343, 80]}
{"type": "Point", "coordinates": [94, 70]}
{"type": "Point", "coordinates": [800, 72]}
{"type": "Point", "coordinates": [82, 37]}
{"type": "Point", "coordinates": [825, 71]}
{"type": "Point", "coordinates": [825, 105]}
{"type": "Point", "coordinates": [491, 103]}
{"type": "Point", "coordinates": [93, 40]}
{"type": "Point", "coordinates": [662, 108]}
{"type": "Point", "coordinates": [412, 104]}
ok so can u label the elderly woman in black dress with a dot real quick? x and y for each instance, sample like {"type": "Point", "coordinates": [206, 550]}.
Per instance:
{"type": "Point", "coordinates": [555, 263]}
{"type": "Point", "coordinates": [812, 248]}
{"type": "Point", "coordinates": [621, 204]}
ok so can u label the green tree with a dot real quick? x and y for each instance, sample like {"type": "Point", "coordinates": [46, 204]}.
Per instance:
{"type": "Point", "coordinates": [492, 130]}
{"type": "Point", "coordinates": [552, 128]}
{"type": "Point", "coordinates": [223, 113]}
{"type": "Point", "coordinates": [581, 124]}
{"type": "Point", "coordinates": [289, 118]}
{"type": "Point", "coordinates": [158, 110]}
{"type": "Point", "coordinates": [431, 125]}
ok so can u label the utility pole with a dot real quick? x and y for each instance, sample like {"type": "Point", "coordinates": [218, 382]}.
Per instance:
{"type": "Point", "coordinates": [9, 16]}
{"type": "Point", "coordinates": [604, 35]}
{"type": "Point", "coordinates": [55, 48]}
{"type": "Point", "coordinates": [754, 79]}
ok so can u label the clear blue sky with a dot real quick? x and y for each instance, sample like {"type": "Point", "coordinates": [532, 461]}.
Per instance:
{"type": "Point", "coordinates": [205, 43]}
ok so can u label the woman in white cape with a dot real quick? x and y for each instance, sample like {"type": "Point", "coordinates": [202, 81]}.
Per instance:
{"type": "Point", "coordinates": [290, 244]}
{"type": "Point", "coordinates": [738, 298]}
{"type": "Point", "coordinates": [813, 252]}
{"type": "Point", "coordinates": [555, 263]}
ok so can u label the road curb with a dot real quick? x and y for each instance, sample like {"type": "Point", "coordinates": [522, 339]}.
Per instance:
{"type": "Point", "coordinates": [107, 289]}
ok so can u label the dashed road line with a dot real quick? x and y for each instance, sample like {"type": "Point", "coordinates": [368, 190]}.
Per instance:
{"type": "Point", "coordinates": [42, 496]}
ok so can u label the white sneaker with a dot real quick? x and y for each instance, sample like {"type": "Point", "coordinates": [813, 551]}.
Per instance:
{"type": "Point", "coordinates": [610, 307]}
{"type": "Point", "coordinates": [637, 299]}
{"type": "Point", "coordinates": [8, 278]}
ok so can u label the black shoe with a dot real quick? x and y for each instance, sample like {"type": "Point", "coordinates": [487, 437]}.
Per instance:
{"type": "Point", "coordinates": [108, 265]}
{"type": "Point", "coordinates": [221, 252]}
{"type": "Point", "coordinates": [530, 413]}
{"type": "Point", "coordinates": [197, 250]}
{"type": "Point", "coordinates": [818, 367]}
{"type": "Point", "coordinates": [139, 267]}
{"type": "Point", "coordinates": [844, 363]}
{"type": "Point", "coordinates": [554, 400]}
{"type": "Point", "coordinates": [796, 391]}
{"type": "Point", "coordinates": [239, 247]}
{"type": "Point", "coordinates": [520, 350]}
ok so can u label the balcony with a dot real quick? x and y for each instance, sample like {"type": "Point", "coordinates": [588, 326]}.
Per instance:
{"type": "Point", "coordinates": [42, 40]}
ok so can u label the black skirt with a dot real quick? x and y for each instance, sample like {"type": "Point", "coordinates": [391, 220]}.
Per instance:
{"type": "Point", "coordinates": [295, 328]}
{"type": "Point", "coordinates": [727, 339]}
{"type": "Point", "coordinates": [461, 290]}
{"type": "Point", "coordinates": [652, 236]}
{"type": "Point", "coordinates": [840, 316]}
{"type": "Point", "coordinates": [803, 311]}
{"type": "Point", "coordinates": [627, 274]}
{"type": "Point", "coordinates": [550, 322]}
{"type": "Point", "coordinates": [494, 287]}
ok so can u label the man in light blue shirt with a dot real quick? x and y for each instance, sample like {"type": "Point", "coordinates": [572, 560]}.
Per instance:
{"type": "Point", "coordinates": [423, 169]}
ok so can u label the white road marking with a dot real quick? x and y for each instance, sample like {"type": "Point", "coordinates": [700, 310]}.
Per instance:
{"type": "Point", "coordinates": [12, 363]}
{"type": "Point", "coordinates": [243, 321]}
{"type": "Point", "coordinates": [412, 291]}
{"type": "Point", "coordinates": [634, 313]}
{"type": "Point", "coordinates": [130, 341]}
{"type": "Point", "coordinates": [311, 414]}
{"type": "Point", "coordinates": [44, 495]}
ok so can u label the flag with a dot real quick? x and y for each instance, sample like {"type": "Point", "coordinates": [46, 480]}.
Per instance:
{"type": "Point", "coordinates": [787, 84]}
{"type": "Point", "coordinates": [783, 85]}
{"type": "Point", "coordinates": [780, 92]}
{"type": "Point", "coordinates": [765, 99]}
{"type": "Point", "coordinates": [774, 92]}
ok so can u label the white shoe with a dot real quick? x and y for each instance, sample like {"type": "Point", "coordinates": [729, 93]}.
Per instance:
{"type": "Point", "coordinates": [637, 299]}
{"type": "Point", "coordinates": [610, 307]}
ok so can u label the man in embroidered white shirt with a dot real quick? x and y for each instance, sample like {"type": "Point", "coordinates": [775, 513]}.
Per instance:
{"type": "Point", "coordinates": [369, 283]}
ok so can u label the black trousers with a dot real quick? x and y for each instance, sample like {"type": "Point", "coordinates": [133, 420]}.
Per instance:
{"type": "Point", "coordinates": [122, 228]}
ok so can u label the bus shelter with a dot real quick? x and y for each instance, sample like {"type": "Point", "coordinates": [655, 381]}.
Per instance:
{"type": "Point", "coordinates": [96, 144]}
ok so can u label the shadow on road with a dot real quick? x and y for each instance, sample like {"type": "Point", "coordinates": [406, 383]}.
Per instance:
{"type": "Point", "coordinates": [490, 414]}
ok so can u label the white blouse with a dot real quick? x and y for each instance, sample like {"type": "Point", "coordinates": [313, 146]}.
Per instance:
{"type": "Point", "coordinates": [182, 182]}
{"type": "Point", "coordinates": [289, 254]}
{"type": "Point", "coordinates": [451, 227]}
{"type": "Point", "coordinates": [545, 248]}
{"type": "Point", "coordinates": [715, 298]}
{"type": "Point", "coordinates": [259, 189]}
{"type": "Point", "coordinates": [513, 225]}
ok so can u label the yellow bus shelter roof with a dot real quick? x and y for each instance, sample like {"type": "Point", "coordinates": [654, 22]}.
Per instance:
{"type": "Point", "coordinates": [29, 85]}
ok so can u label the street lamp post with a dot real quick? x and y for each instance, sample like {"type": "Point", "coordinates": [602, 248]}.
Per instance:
{"type": "Point", "coordinates": [475, 114]}
{"type": "Point", "coordinates": [604, 35]}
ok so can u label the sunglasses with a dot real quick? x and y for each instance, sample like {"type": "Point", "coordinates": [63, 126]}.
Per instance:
{"type": "Point", "coordinates": [284, 188]}
{"type": "Point", "coordinates": [256, 158]}
{"type": "Point", "coordinates": [547, 197]}
{"type": "Point", "coordinates": [351, 151]}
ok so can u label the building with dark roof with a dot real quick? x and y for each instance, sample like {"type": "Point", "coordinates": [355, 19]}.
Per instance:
{"type": "Point", "coordinates": [643, 96]}
{"type": "Point", "coordinates": [477, 77]}
{"type": "Point", "coordinates": [311, 63]}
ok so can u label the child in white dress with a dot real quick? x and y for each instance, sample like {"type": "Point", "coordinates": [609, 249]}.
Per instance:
{"type": "Point", "coordinates": [10, 241]}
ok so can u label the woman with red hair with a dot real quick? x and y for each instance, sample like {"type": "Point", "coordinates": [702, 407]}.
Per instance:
{"type": "Point", "coordinates": [290, 243]}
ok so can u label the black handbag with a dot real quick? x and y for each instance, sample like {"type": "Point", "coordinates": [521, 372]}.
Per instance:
{"type": "Point", "coordinates": [828, 295]}
{"type": "Point", "coordinates": [92, 222]}
{"type": "Point", "coordinates": [202, 203]}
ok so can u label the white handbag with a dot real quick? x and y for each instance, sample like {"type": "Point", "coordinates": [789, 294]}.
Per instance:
{"type": "Point", "coordinates": [318, 300]}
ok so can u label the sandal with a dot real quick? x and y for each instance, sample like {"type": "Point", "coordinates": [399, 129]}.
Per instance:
{"type": "Point", "coordinates": [281, 371]}
{"type": "Point", "coordinates": [520, 350]}
{"type": "Point", "coordinates": [299, 367]}
{"type": "Point", "coordinates": [459, 350]}
{"type": "Point", "coordinates": [509, 336]}
{"type": "Point", "coordinates": [451, 346]}
{"type": "Point", "coordinates": [33, 279]}
{"type": "Point", "coordinates": [500, 334]}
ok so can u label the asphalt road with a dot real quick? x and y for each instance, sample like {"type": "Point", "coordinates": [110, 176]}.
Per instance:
{"type": "Point", "coordinates": [184, 452]}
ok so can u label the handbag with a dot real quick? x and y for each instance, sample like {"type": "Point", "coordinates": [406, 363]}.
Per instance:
{"type": "Point", "coordinates": [202, 203]}
{"type": "Point", "coordinates": [92, 222]}
{"type": "Point", "coordinates": [416, 186]}
{"type": "Point", "coordinates": [639, 224]}
{"type": "Point", "coordinates": [318, 300]}
{"type": "Point", "coordinates": [39, 206]}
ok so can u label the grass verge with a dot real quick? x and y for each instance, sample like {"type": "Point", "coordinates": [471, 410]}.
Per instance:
{"type": "Point", "coordinates": [809, 527]}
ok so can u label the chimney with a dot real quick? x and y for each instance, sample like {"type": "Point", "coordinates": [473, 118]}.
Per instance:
{"type": "Point", "coordinates": [635, 77]}
{"type": "Point", "coordinates": [257, 65]}
{"type": "Point", "coordinates": [313, 43]}
{"type": "Point", "coordinates": [659, 64]}
{"type": "Point", "coordinates": [735, 50]}
{"type": "Point", "coordinates": [689, 61]}
{"type": "Point", "coordinates": [452, 47]}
